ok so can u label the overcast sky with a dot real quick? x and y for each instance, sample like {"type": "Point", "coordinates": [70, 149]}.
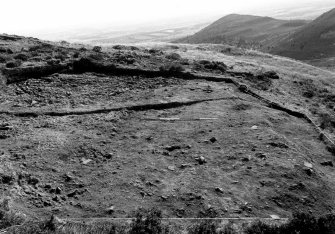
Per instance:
{"type": "Point", "coordinates": [18, 16]}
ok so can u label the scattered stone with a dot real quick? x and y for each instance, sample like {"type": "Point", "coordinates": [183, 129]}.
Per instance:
{"type": "Point", "coordinates": [261, 156]}
{"type": "Point", "coordinates": [254, 127]}
{"type": "Point", "coordinates": [33, 180]}
{"type": "Point", "coordinates": [47, 203]}
{"type": "Point", "coordinates": [308, 165]}
{"type": "Point", "coordinates": [219, 190]}
{"type": "Point", "coordinates": [68, 177]}
{"type": "Point", "coordinates": [47, 186]}
{"type": "Point", "coordinates": [108, 156]}
{"type": "Point", "coordinates": [58, 190]}
{"type": "Point", "coordinates": [173, 147]}
{"type": "Point", "coordinates": [5, 127]}
{"type": "Point", "coordinates": [171, 168]}
{"type": "Point", "coordinates": [246, 159]}
{"type": "Point", "coordinates": [183, 166]}
{"type": "Point", "coordinates": [56, 199]}
{"type": "Point", "coordinates": [110, 210]}
{"type": "Point", "coordinates": [201, 160]}
{"type": "Point", "coordinates": [85, 161]}
{"type": "Point", "coordinates": [309, 171]}
{"type": "Point", "coordinates": [213, 140]}
{"type": "Point", "coordinates": [279, 145]}
{"type": "Point", "coordinates": [164, 198]}
{"type": "Point", "coordinates": [73, 193]}
{"type": "Point", "coordinates": [327, 163]}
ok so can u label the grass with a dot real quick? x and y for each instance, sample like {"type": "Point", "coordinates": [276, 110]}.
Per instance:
{"type": "Point", "coordinates": [300, 223]}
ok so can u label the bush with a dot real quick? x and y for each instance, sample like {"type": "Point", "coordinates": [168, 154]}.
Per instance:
{"type": "Point", "coordinates": [13, 64]}
{"type": "Point", "coordinates": [22, 57]}
{"type": "Point", "coordinates": [300, 223]}
{"type": "Point", "coordinates": [173, 68]}
{"type": "Point", "coordinates": [211, 65]}
{"type": "Point", "coordinates": [148, 222]}
{"type": "Point", "coordinates": [242, 106]}
{"type": "Point", "coordinates": [173, 56]}
{"type": "Point", "coordinates": [204, 227]}
{"type": "Point", "coordinates": [76, 55]}
{"type": "Point", "coordinates": [327, 121]}
{"type": "Point", "coordinates": [4, 58]}
{"type": "Point", "coordinates": [97, 49]}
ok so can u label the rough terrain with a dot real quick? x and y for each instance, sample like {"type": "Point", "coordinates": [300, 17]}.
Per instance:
{"type": "Point", "coordinates": [136, 130]}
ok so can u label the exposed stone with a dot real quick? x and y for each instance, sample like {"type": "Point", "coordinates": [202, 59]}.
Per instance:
{"type": "Point", "coordinates": [213, 140]}
{"type": "Point", "coordinates": [219, 190]}
{"type": "Point", "coordinates": [201, 160]}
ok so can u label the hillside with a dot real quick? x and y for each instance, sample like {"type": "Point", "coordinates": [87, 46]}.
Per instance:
{"type": "Point", "coordinates": [315, 40]}
{"type": "Point", "coordinates": [190, 129]}
{"type": "Point", "coordinates": [246, 31]}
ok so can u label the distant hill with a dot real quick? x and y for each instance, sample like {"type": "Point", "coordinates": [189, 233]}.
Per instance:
{"type": "Point", "coordinates": [313, 41]}
{"type": "Point", "coordinates": [245, 31]}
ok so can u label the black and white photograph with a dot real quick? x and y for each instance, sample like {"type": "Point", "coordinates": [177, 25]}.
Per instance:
{"type": "Point", "coordinates": [167, 117]}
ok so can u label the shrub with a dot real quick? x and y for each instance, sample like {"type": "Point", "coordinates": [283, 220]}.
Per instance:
{"type": "Point", "coordinates": [173, 56]}
{"type": "Point", "coordinates": [300, 223]}
{"type": "Point", "coordinates": [326, 121]}
{"type": "Point", "coordinates": [148, 222]}
{"type": "Point", "coordinates": [22, 57]}
{"type": "Point", "coordinates": [4, 58]}
{"type": "Point", "coordinates": [76, 55]}
{"type": "Point", "coordinates": [241, 106]}
{"type": "Point", "coordinates": [97, 49]}
{"type": "Point", "coordinates": [204, 227]}
{"type": "Point", "coordinates": [211, 65]}
{"type": "Point", "coordinates": [173, 68]}
{"type": "Point", "coordinates": [13, 64]}
{"type": "Point", "coordinates": [261, 228]}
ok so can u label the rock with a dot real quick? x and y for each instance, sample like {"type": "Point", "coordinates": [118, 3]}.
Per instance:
{"type": "Point", "coordinates": [172, 147]}
{"type": "Point", "coordinates": [213, 140]}
{"type": "Point", "coordinates": [110, 210]}
{"type": "Point", "coordinates": [6, 127]}
{"type": "Point", "coordinates": [201, 160]}
{"type": "Point", "coordinates": [219, 190]}
{"type": "Point", "coordinates": [47, 186]}
{"type": "Point", "coordinates": [246, 159]}
{"type": "Point", "coordinates": [261, 156]}
{"type": "Point", "coordinates": [58, 190]}
{"type": "Point", "coordinates": [68, 177]}
{"type": "Point", "coordinates": [309, 171]}
{"type": "Point", "coordinates": [308, 165]}
{"type": "Point", "coordinates": [183, 166]}
{"type": "Point", "coordinates": [47, 203]}
{"type": "Point", "coordinates": [274, 217]}
{"type": "Point", "coordinates": [108, 156]}
{"type": "Point", "coordinates": [33, 180]}
{"type": "Point", "coordinates": [254, 127]}
{"type": "Point", "coordinates": [327, 163]}
{"type": "Point", "coordinates": [56, 199]}
{"type": "Point", "coordinates": [85, 161]}
{"type": "Point", "coordinates": [171, 168]}
{"type": "Point", "coordinates": [73, 193]}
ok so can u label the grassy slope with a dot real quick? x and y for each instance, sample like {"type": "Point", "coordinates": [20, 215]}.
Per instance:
{"type": "Point", "coordinates": [253, 29]}
{"type": "Point", "coordinates": [315, 40]}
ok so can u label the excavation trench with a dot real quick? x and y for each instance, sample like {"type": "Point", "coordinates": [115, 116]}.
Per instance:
{"type": "Point", "coordinates": [86, 65]}
{"type": "Point", "coordinates": [136, 107]}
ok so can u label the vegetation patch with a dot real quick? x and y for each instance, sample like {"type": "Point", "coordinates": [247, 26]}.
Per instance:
{"type": "Point", "coordinates": [300, 223]}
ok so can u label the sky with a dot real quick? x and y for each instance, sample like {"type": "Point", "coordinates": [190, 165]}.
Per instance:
{"type": "Point", "coordinates": [22, 16]}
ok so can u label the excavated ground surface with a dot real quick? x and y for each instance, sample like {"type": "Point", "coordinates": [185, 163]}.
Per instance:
{"type": "Point", "coordinates": [248, 160]}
